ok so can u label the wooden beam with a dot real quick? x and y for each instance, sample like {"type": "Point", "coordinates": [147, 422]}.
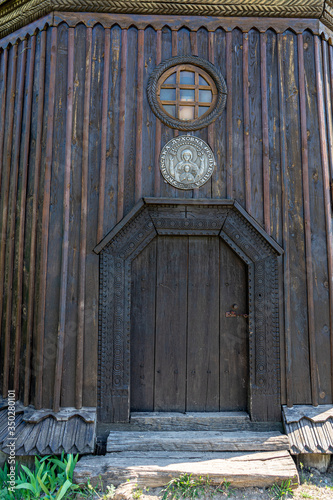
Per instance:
{"type": "Point", "coordinates": [101, 198]}
{"type": "Point", "coordinates": [83, 226]}
{"type": "Point", "coordinates": [25, 165]}
{"type": "Point", "coordinates": [34, 216]}
{"type": "Point", "coordinates": [285, 223]}
{"type": "Point", "coordinates": [326, 180]}
{"type": "Point", "coordinates": [307, 224]}
{"type": "Point", "coordinates": [65, 238]}
{"type": "Point", "coordinates": [45, 224]}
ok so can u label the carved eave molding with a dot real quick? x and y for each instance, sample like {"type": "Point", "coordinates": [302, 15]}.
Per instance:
{"type": "Point", "coordinates": [18, 13]}
{"type": "Point", "coordinates": [193, 23]}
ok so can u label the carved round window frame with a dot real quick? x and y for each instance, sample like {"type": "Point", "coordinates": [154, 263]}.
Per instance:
{"type": "Point", "coordinates": [197, 123]}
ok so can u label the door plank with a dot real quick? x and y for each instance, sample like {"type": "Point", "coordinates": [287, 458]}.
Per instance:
{"type": "Point", "coordinates": [203, 325]}
{"type": "Point", "coordinates": [143, 329]}
{"type": "Point", "coordinates": [233, 332]}
{"type": "Point", "coordinates": [171, 323]}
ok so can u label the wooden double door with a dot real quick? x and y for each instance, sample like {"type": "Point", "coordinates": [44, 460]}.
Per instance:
{"type": "Point", "coordinates": [186, 354]}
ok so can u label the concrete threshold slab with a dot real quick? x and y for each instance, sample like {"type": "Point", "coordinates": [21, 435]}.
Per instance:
{"type": "Point", "coordinates": [156, 469]}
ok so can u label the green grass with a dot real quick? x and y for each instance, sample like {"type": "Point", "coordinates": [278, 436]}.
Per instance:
{"type": "Point", "coordinates": [186, 486]}
{"type": "Point", "coordinates": [51, 479]}
{"type": "Point", "coordinates": [282, 490]}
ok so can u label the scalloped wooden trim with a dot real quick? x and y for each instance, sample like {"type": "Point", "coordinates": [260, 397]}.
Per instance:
{"type": "Point", "coordinates": [192, 23]}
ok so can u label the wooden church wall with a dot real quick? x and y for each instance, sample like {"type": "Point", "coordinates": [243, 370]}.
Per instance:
{"type": "Point", "coordinates": [79, 145]}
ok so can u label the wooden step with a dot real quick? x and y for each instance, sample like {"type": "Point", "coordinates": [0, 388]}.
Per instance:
{"type": "Point", "coordinates": [155, 469]}
{"type": "Point", "coordinates": [157, 421]}
{"type": "Point", "coordinates": [196, 441]}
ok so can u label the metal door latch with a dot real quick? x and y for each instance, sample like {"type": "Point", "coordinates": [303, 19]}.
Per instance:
{"type": "Point", "coordinates": [233, 314]}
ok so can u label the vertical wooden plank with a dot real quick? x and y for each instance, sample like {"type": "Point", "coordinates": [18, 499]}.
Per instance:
{"type": "Point", "coordinates": [102, 172]}
{"type": "Point", "coordinates": [7, 159]}
{"type": "Point", "coordinates": [203, 343]}
{"type": "Point", "coordinates": [4, 69]}
{"type": "Point", "coordinates": [256, 148]}
{"type": "Point", "coordinates": [149, 121]}
{"type": "Point", "coordinates": [286, 257]}
{"type": "Point", "coordinates": [238, 178]}
{"type": "Point", "coordinates": [157, 182]}
{"type": "Point", "coordinates": [45, 224]}
{"type": "Point", "coordinates": [83, 224]}
{"type": "Point", "coordinates": [174, 44]}
{"type": "Point", "coordinates": [69, 366]}
{"type": "Point", "coordinates": [122, 104]}
{"type": "Point", "coordinates": [307, 225]}
{"type": "Point", "coordinates": [143, 329]}
{"type": "Point", "coordinates": [328, 103]}
{"type": "Point", "coordinates": [265, 139]}
{"type": "Point", "coordinates": [139, 117]}
{"type": "Point", "coordinates": [171, 323]}
{"type": "Point", "coordinates": [211, 54]}
{"type": "Point", "coordinates": [233, 331]}
{"type": "Point", "coordinates": [204, 191]}
{"type": "Point", "coordinates": [246, 105]}
{"type": "Point", "coordinates": [130, 119]}
{"type": "Point", "coordinates": [275, 178]}
{"type": "Point", "coordinates": [113, 144]}
{"type": "Point", "coordinates": [166, 190]}
{"type": "Point", "coordinates": [34, 214]}
{"type": "Point", "coordinates": [23, 197]}
{"type": "Point", "coordinates": [56, 219]}
{"type": "Point", "coordinates": [19, 89]}
{"type": "Point", "coordinates": [326, 183]}
{"type": "Point", "coordinates": [273, 136]}
{"type": "Point", "coordinates": [90, 341]}
{"type": "Point", "coordinates": [298, 293]}
{"type": "Point", "coordinates": [65, 237]}
{"type": "Point", "coordinates": [219, 184]}
{"type": "Point", "coordinates": [229, 114]}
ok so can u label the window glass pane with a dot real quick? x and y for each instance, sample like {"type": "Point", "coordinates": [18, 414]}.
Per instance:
{"type": "Point", "coordinates": [202, 81]}
{"type": "Point", "coordinates": [205, 96]}
{"type": "Point", "coordinates": [186, 78]}
{"type": "Point", "coordinates": [170, 80]}
{"type": "Point", "coordinates": [168, 94]}
{"type": "Point", "coordinates": [186, 94]}
{"type": "Point", "coordinates": [170, 109]}
{"type": "Point", "coordinates": [202, 110]}
{"type": "Point", "coordinates": [186, 112]}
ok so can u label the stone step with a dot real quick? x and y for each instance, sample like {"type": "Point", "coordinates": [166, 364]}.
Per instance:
{"type": "Point", "coordinates": [157, 421]}
{"type": "Point", "coordinates": [205, 441]}
{"type": "Point", "coordinates": [129, 470]}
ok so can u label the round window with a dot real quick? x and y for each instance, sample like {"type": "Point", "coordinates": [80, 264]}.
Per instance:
{"type": "Point", "coordinates": [186, 92]}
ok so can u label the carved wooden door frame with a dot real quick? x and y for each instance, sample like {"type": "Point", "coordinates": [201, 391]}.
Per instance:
{"type": "Point", "coordinates": [161, 216]}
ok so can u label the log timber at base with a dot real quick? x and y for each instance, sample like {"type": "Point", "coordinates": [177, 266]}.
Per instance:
{"type": "Point", "coordinates": [129, 470]}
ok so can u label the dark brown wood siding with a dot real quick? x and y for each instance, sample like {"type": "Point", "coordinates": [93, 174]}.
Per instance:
{"type": "Point", "coordinates": [79, 146]}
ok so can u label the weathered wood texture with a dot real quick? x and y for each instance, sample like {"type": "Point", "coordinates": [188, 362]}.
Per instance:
{"type": "Point", "coordinates": [80, 145]}
{"type": "Point", "coordinates": [158, 468]}
{"type": "Point", "coordinates": [183, 356]}
{"type": "Point", "coordinates": [196, 441]}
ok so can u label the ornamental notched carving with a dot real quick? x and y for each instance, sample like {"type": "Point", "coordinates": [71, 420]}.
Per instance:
{"type": "Point", "coordinates": [223, 218]}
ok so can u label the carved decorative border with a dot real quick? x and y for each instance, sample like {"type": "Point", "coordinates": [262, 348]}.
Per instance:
{"type": "Point", "coordinates": [158, 22]}
{"type": "Point", "coordinates": [17, 13]}
{"type": "Point", "coordinates": [226, 219]}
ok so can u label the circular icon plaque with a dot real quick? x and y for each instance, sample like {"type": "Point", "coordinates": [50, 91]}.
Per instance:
{"type": "Point", "coordinates": [187, 162]}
